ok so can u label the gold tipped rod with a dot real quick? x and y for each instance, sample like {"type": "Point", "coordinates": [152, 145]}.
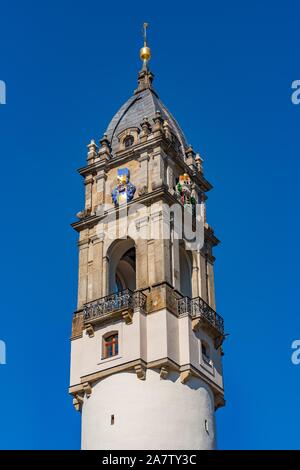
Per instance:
{"type": "Point", "coordinates": [145, 52]}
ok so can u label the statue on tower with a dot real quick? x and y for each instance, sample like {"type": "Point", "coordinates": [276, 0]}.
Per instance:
{"type": "Point", "coordinates": [124, 191]}
{"type": "Point", "coordinates": [185, 192]}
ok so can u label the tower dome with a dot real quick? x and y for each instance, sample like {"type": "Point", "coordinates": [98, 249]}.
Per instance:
{"type": "Point", "coordinates": [144, 103]}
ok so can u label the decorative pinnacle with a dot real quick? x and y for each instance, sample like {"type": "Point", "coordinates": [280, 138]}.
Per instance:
{"type": "Point", "coordinates": [145, 52]}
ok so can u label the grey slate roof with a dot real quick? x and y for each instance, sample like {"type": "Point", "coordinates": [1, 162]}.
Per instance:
{"type": "Point", "coordinates": [131, 114]}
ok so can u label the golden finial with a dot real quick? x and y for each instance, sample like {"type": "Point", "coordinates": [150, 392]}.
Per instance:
{"type": "Point", "coordinates": [145, 52]}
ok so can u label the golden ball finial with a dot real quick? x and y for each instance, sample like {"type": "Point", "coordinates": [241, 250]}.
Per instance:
{"type": "Point", "coordinates": [145, 52]}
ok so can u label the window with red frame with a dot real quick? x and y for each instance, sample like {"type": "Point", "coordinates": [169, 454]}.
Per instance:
{"type": "Point", "coordinates": [111, 346]}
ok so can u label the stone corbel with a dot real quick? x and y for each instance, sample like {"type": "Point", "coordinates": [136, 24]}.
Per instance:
{"type": "Point", "coordinates": [127, 316]}
{"type": "Point", "coordinates": [77, 402]}
{"type": "Point", "coordinates": [219, 401]}
{"type": "Point", "coordinates": [87, 389]}
{"type": "Point", "coordinates": [77, 326]}
{"type": "Point", "coordinates": [140, 372]}
{"type": "Point", "coordinates": [185, 376]}
{"type": "Point", "coordinates": [196, 324]}
{"type": "Point", "coordinates": [90, 330]}
{"type": "Point", "coordinates": [164, 372]}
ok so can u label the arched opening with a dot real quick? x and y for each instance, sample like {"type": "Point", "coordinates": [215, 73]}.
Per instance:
{"type": "Point", "coordinates": [125, 272]}
{"type": "Point", "coordinates": [185, 273]}
{"type": "Point", "coordinates": [122, 266]}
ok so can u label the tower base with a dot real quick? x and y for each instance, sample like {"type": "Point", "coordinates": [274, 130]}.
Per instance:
{"type": "Point", "coordinates": [160, 413]}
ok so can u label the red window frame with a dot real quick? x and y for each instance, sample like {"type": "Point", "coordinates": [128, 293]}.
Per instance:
{"type": "Point", "coordinates": [111, 346]}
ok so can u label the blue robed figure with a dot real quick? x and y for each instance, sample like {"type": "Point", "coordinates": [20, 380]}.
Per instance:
{"type": "Point", "coordinates": [124, 191]}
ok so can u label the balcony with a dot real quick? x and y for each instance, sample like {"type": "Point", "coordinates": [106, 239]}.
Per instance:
{"type": "Point", "coordinates": [123, 302]}
{"type": "Point", "coordinates": [201, 313]}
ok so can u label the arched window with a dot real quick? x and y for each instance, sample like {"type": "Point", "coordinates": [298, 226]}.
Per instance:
{"type": "Point", "coordinates": [110, 345]}
{"type": "Point", "coordinates": [122, 266]}
{"type": "Point", "coordinates": [128, 141]}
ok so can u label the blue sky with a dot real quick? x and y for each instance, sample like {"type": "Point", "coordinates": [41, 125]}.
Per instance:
{"type": "Point", "coordinates": [225, 70]}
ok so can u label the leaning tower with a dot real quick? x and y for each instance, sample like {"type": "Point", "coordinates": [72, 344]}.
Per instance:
{"type": "Point", "coordinates": [146, 345]}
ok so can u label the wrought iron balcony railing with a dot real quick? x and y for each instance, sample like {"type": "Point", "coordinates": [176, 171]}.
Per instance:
{"type": "Point", "coordinates": [125, 299]}
{"type": "Point", "coordinates": [197, 307]}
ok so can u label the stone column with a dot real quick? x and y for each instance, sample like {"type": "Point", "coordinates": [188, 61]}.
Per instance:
{"type": "Point", "coordinates": [151, 264]}
{"type": "Point", "coordinates": [97, 267]}
{"type": "Point", "coordinates": [195, 275]}
{"type": "Point", "coordinates": [170, 178]}
{"type": "Point", "coordinates": [176, 264]}
{"type": "Point", "coordinates": [99, 196]}
{"type": "Point", "coordinates": [90, 272]}
{"type": "Point", "coordinates": [143, 179]}
{"type": "Point", "coordinates": [162, 246]}
{"type": "Point", "coordinates": [105, 273]}
{"type": "Point", "coordinates": [199, 272]}
{"type": "Point", "coordinates": [142, 277]}
{"type": "Point", "coordinates": [203, 277]}
{"type": "Point", "coordinates": [158, 251]}
{"type": "Point", "coordinates": [211, 284]}
{"type": "Point", "coordinates": [83, 271]}
{"type": "Point", "coordinates": [88, 193]}
{"type": "Point", "coordinates": [158, 169]}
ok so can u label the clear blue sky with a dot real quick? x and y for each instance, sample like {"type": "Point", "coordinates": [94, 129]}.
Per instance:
{"type": "Point", "coordinates": [224, 69]}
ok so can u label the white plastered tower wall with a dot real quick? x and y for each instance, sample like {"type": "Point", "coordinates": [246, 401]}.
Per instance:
{"type": "Point", "coordinates": [161, 387]}
{"type": "Point", "coordinates": [171, 406]}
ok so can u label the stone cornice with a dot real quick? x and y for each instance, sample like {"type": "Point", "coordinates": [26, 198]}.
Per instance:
{"type": "Point", "coordinates": [122, 157]}
{"type": "Point", "coordinates": [146, 199]}
{"type": "Point", "coordinates": [140, 366]}
{"type": "Point", "coordinates": [135, 152]}
{"type": "Point", "coordinates": [161, 193]}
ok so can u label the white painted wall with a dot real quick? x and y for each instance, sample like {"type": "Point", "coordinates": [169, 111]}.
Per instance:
{"type": "Point", "coordinates": [149, 414]}
{"type": "Point", "coordinates": [151, 338]}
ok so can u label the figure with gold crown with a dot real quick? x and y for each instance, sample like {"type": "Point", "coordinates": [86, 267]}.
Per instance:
{"type": "Point", "coordinates": [124, 191]}
{"type": "Point", "coordinates": [185, 191]}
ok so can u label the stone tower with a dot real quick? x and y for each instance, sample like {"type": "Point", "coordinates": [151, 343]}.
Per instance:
{"type": "Point", "coordinates": [146, 344]}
